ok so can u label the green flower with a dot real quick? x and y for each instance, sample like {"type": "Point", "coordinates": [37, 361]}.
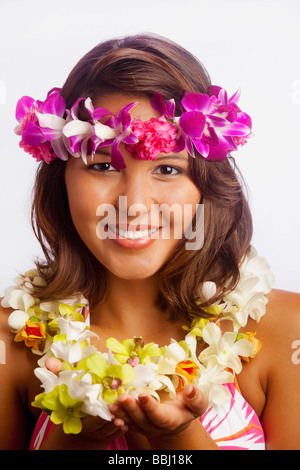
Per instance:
{"type": "Point", "coordinates": [116, 379]}
{"type": "Point", "coordinates": [133, 351]}
{"type": "Point", "coordinates": [65, 310]}
{"type": "Point", "coordinates": [64, 409]}
{"type": "Point", "coordinates": [198, 323]}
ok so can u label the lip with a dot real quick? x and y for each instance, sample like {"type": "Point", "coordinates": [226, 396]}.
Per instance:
{"type": "Point", "coordinates": [133, 243]}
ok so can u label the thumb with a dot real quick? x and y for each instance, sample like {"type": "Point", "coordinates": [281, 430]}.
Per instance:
{"type": "Point", "coordinates": [195, 400]}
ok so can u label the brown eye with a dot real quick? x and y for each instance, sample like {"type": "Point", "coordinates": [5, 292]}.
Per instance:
{"type": "Point", "coordinates": [168, 170]}
{"type": "Point", "coordinates": [102, 167]}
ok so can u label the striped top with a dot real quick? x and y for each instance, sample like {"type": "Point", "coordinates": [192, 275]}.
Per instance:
{"type": "Point", "coordinates": [233, 426]}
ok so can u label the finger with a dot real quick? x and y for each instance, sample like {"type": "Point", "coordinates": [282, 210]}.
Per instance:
{"type": "Point", "coordinates": [195, 400]}
{"type": "Point", "coordinates": [94, 424]}
{"type": "Point", "coordinates": [119, 412]}
{"type": "Point", "coordinates": [164, 415]}
{"type": "Point", "coordinates": [134, 411]}
{"type": "Point", "coordinates": [53, 364]}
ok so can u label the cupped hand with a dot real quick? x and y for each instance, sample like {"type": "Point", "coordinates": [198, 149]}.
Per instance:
{"type": "Point", "coordinates": [170, 416]}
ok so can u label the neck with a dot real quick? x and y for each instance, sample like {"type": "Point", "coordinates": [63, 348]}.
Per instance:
{"type": "Point", "coordinates": [130, 303]}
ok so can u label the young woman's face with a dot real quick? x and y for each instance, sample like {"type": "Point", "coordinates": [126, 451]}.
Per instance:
{"type": "Point", "coordinates": [125, 217]}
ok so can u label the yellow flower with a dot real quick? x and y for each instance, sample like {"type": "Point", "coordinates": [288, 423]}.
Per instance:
{"type": "Point", "coordinates": [33, 334]}
{"type": "Point", "coordinates": [188, 370]}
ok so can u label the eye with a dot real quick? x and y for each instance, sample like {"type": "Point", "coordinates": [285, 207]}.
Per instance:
{"type": "Point", "coordinates": [168, 170]}
{"type": "Point", "coordinates": [102, 167]}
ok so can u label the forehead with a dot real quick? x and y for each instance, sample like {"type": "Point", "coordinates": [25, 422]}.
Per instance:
{"type": "Point", "coordinates": [115, 102]}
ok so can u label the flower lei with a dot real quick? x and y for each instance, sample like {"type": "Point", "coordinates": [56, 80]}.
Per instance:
{"type": "Point", "coordinates": [90, 380]}
{"type": "Point", "coordinates": [211, 123]}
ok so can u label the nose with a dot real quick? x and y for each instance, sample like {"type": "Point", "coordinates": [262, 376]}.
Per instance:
{"type": "Point", "coordinates": [136, 193]}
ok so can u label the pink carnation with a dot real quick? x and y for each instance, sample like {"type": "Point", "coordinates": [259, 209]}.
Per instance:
{"type": "Point", "coordinates": [154, 137]}
{"type": "Point", "coordinates": [43, 152]}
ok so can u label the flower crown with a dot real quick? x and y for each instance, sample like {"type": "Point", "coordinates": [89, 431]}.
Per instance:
{"type": "Point", "coordinates": [212, 124]}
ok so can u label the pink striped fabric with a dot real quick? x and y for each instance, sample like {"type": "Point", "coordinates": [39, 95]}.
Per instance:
{"type": "Point", "coordinates": [234, 426]}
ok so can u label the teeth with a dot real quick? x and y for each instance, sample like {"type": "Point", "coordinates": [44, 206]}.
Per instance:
{"type": "Point", "coordinates": [134, 235]}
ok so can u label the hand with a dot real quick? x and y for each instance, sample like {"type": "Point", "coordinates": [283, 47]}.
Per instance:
{"type": "Point", "coordinates": [169, 417]}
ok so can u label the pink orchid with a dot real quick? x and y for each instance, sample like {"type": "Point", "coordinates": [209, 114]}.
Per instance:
{"type": "Point", "coordinates": [85, 137]}
{"type": "Point", "coordinates": [211, 123]}
{"type": "Point", "coordinates": [40, 125]}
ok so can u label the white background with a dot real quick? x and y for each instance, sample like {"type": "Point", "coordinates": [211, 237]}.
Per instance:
{"type": "Point", "coordinates": [252, 44]}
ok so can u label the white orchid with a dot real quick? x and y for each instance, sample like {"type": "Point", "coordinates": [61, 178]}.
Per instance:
{"type": "Point", "coordinates": [210, 380]}
{"type": "Point", "coordinates": [224, 349]}
{"type": "Point", "coordinates": [248, 298]}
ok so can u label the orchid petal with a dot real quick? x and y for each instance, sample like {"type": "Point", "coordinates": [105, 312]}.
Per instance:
{"type": "Point", "coordinates": [195, 101]}
{"type": "Point", "coordinates": [50, 120]}
{"type": "Point", "coordinates": [59, 149]}
{"type": "Point", "coordinates": [100, 113]}
{"type": "Point", "coordinates": [23, 105]}
{"type": "Point", "coordinates": [117, 159]}
{"type": "Point", "coordinates": [54, 104]}
{"type": "Point", "coordinates": [211, 334]}
{"type": "Point", "coordinates": [32, 135]}
{"type": "Point", "coordinates": [77, 128]}
{"type": "Point", "coordinates": [192, 123]}
{"type": "Point", "coordinates": [104, 132]}
{"type": "Point", "coordinates": [214, 90]}
{"type": "Point", "coordinates": [158, 103]}
{"type": "Point", "coordinates": [235, 98]}
{"type": "Point", "coordinates": [75, 108]}
{"type": "Point", "coordinates": [245, 119]}
{"type": "Point", "coordinates": [236, 129]}
{"type": "Point", "coordinates": [202, 147]}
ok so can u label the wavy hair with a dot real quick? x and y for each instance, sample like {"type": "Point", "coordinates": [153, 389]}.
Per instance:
{"type": "Point", "coordinates": [141, 65]}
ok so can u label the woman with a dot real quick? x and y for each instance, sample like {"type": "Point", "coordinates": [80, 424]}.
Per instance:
{"type": "Point", "coordinates": [123, 227]}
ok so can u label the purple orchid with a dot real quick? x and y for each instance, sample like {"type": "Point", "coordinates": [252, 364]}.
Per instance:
{"type": "Point", "coordinates": [41, 124]}
{"type": "Point", "coordinates": [122, 125]}
{"type": "Point", "coordinates": [84, 137]}
{"type": "Point", "coordinates": [211, 123]}
{"type": "Point", "coordinates": [88, 136]}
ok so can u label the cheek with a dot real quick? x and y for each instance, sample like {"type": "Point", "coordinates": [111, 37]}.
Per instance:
{"type": "Point", "coordinates": [82, 199]}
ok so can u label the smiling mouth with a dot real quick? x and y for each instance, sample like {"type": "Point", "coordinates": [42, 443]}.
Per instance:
{"type": "Point", "coordinates": [134, 234]}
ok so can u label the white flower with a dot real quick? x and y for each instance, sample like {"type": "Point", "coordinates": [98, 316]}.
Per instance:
{"type": "Point", "coordinates": [75, 330]}
{"type": "Point", "coordinates": [80, 387]}
{"type": "Point", "coordinates": [210, 380]}
{"type": "Point", "coordinates": [17, 298]}
{"type": "Point", "coordinates": [248, 299]}
{"type": "Point", "coordinates": [17, 320]}
{"type": "Point", "coordinates": [224, 349]}
{"type": "Point", "coordinates": [144, 375]}
{"type": "Point", "coordinates": [53, 306]}
{"type": "Point", "coordinates": [209, 289]}
{"type": "Point", "coordinates": [83, 389]}
{"type": "Point", "coordinates": [70, 348]}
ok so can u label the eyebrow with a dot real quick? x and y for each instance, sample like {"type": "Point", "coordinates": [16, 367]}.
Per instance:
{"type": "Point", "coordinates": [175, 156]}
{"type": "Point", "coordinates": [103, 152]}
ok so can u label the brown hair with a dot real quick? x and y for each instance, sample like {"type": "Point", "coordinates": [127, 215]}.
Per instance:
{"type": "Point", "coordinates": [140, 65]}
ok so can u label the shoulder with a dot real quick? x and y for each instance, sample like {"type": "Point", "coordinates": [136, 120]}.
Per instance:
{"type": "Point", "coordinates": [279, 328]}
{"type": "Point", "coordinates": [12, 353]}
{"type": "Point", "coordinates": [282, 315]}
{"type": "Point", "coordinates": [279, 331]}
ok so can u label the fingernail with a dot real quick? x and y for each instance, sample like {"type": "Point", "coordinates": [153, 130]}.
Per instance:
{"type": "Point", "coordinates": [143, 399]}
{"type": "Point", "coordinates": [191, 393]}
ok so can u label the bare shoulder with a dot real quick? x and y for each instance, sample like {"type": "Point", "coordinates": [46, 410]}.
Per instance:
{"type": "Point", "coordinates": [279, 331]}
{"type": "Point", "coordinates": [282, 315]}
{"type": "Point", "coordinates": [15, 375]}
